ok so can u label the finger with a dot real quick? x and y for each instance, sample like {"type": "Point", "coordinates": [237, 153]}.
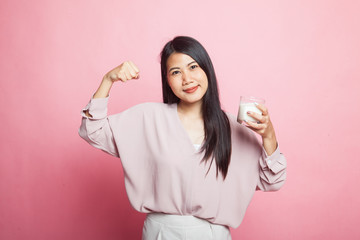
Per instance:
{"type": "Point", "coordinates": [256, 116]}
{"type": "Point", "coordinates": [258, 131]}
{"type": "Point", "coordinates": [129, 70]}
{"type": "Point", "coordinates": [136, 69]}
{"type": "Point", "coordinates": [127, 74]}
{"type": "Point", "coordinates": [254, 126]}
{"type": "Point", "coordinates": [132, 70]}
{"type": "Point", "coordinates": [121, 76]}
{"type": "Point", "coordinates": [132, 73]}
{"type": "Point", "coordinates": [262, 108]}
{"type": "Point", "coordinates": [253, 129]}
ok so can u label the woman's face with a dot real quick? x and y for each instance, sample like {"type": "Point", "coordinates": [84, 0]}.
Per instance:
{"type": "Point", "coordinates": [186, 79]}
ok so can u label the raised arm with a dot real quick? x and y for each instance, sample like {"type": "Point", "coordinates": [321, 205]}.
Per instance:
{"type": "Point", "coordinates": [124, 72]}
{"type": "Point", "coordinates": [95, 127]}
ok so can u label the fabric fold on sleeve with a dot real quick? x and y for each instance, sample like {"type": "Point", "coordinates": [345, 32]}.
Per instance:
{"type": "Point", "coordinates": [275, 162]}
{"type": "Point", "coordinates": [97, 108]}
{"type": "Point", "coordinates": [272, 171]}
{"type": "Point", "coordinates": [96, 129]}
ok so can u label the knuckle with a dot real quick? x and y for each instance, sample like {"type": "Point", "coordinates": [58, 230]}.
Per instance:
{"type": "Point", "coordinates": [121, 76]}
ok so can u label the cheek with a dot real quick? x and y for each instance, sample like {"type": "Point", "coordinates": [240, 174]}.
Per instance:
{"type": "Point", "coordinates": [202, 75]}
{"type": "Point", "coordinates": [172, 83]}
{"type": "Point", "coordinates": [204, 78]}
{"type": "Point", "coordinates": [169, 80]}
{"type": "Point", "coordinates": [206, 84]}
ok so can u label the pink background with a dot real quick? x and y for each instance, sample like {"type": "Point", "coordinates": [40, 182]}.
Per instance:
{"type": "Point", "coordinates": [301, 56]}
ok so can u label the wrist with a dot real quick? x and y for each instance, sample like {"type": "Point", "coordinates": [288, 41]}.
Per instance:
{"type": "Point", "coordinates": [107, 80]}
{"type": "Point", "coordinates": [270, 144]}
{"type": "Point", "coordinates": [104, 88]}
{"type": "Point", "coordinates": [269, 137]}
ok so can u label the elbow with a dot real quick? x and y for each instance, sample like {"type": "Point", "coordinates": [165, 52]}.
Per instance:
{"type": "Point", "coordinates": [276, 187]}
{"type": "Point", "coordinates": [83, 133]}
{"type": "Point", "coordinates": [272, 184]}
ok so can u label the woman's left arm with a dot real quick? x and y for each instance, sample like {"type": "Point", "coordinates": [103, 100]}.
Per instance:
{"type": "Point", "coordinates": [264, 128]}
{"type": "Point", "coordinates": [272, 162]}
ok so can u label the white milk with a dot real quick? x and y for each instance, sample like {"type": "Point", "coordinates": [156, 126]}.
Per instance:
{"type": "Point", "coordinates": [244, 108]}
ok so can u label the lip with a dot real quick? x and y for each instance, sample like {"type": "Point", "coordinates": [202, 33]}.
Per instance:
{"type": "Point", "coordinates": [191, 90]}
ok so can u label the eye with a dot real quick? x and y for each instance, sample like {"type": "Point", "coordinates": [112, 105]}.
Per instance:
{"type": "Point", "coordinates": [193, 66]}
{"type": "Point", "coordinates": [175, 72]}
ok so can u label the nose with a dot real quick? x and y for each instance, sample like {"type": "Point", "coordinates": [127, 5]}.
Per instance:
{"type": "Point", "coordinates": [186, 78]}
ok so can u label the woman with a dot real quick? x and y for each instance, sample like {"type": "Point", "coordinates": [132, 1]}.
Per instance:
{"type": "Point", "coordinates": [172, 152]}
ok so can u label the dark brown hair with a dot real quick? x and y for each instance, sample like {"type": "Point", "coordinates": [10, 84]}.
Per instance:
{"type": "Point", "coordinates": [217, 144]}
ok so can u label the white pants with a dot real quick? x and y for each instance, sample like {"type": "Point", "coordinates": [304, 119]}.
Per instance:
{"type": "Point", "coordinates": [159, 226]}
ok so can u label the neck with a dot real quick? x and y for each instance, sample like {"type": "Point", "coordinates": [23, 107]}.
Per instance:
{"type": "Point", "coordinates": [192, 110]}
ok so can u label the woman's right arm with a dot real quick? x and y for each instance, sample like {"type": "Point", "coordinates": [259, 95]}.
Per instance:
{"type": "Point", "coordinates": [95, 127]}
{"type": "Point", "coordinates": [124, 72]}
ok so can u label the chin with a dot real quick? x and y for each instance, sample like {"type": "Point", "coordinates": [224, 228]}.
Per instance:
{"type": "Point", "coordinates": [191, 101]}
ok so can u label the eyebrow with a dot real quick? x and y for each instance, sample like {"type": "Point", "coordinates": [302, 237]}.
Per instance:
{"type": "Point", "coordinates": [179, 68]}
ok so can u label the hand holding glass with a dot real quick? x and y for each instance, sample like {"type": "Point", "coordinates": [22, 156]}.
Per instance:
{"type": "Point", "coordinates": [248, 104]}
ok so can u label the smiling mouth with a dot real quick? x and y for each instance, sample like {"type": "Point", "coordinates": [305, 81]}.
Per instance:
{"type": "Point", "coordinates": [191, 90]}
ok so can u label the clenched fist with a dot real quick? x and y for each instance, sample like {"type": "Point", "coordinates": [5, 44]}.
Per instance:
{"type": "Point", "coordinates": [124, 72]}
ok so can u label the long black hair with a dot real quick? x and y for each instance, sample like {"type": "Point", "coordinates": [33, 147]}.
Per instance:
{"type": "Point", "coordinates": [217, 144]}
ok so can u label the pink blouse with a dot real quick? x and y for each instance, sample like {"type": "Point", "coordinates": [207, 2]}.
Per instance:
{"type": "Point", "coordinates": [162, 168]}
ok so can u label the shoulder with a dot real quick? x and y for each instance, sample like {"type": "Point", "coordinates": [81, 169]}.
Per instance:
{"type": "Point", "coordinates": [235, 125]}
{"type": "Point", "coordinates": [150, 107]}
{"type": "Point", "coordinates": [141, 113]}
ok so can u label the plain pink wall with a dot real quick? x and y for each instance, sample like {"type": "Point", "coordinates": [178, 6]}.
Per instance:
{"type": "Point", "coordinates": [302, 56]}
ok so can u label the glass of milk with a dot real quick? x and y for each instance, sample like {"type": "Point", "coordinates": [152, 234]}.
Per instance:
{"type": "Point", "coordinates": [248, 103]}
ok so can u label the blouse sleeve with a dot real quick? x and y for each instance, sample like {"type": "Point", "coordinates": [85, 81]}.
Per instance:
{"type": "Point", "coordinates": [96, 129]}
{"type": "Point", "coordinates": [272, 171]}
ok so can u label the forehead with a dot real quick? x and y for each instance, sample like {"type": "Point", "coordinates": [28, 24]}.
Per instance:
{"type": "Point", "coordinates": [178, 60]}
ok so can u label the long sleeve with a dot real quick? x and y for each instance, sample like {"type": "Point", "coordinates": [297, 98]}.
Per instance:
{"type": "Point", "coordinates": [163, 171]}
{"type": "Point", "coordinates": [272, 171]}
{"type": "Point", "coordinates": [96, 129]}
